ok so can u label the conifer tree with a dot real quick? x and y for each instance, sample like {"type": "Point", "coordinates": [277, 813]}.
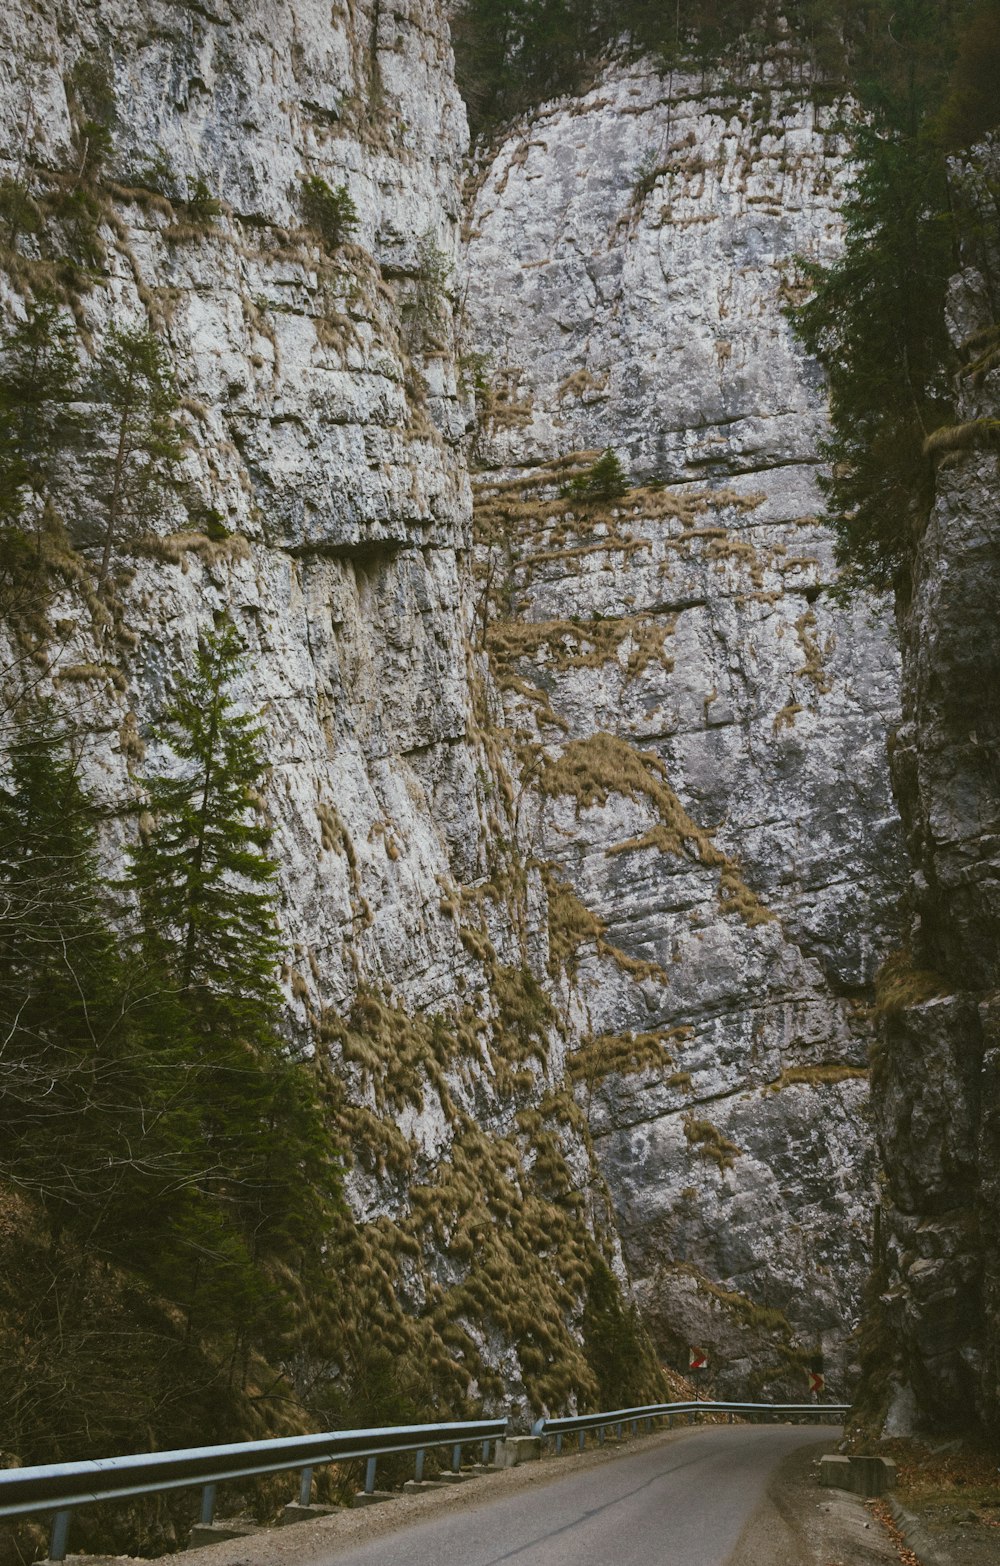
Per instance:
{"type": "Point", "coordinates": [39, 382]}
{"type": "Point", "coordinates": [265, 1180]}
{"type": "Point", "coordinates": [876, 320]}
{"type": "Point", "coordinates": [66, 1075]}
{"type": "Point", "coordinates": [204, 878]}
{"type": "Point", "coordinates": [139, 440]}
{"type": "Point", "coordinates": [605, 480]}
{"type": "Point", "coordinates": [169, 1158]}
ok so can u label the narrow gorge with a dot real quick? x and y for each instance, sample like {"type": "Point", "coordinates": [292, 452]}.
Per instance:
{"type": "Point", "coordinates": [596, 813]}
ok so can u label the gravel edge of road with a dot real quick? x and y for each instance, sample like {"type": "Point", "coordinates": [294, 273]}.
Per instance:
{"type": "Point", "coordinates": [916, 1536]}
{"type": "Point", "coordinates": [801, 1523]}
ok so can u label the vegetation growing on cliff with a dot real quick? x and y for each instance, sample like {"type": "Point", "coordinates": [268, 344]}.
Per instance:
{"type": "Point", "coordinates": [925, 76]}
{"type": "Point", "coordinates": [876, 320]}
{"type": "Point", "coordinates": [138, 440]}
{"type": "Point", "coordinates": [167, 1179]}
{"type": "Point", "coordinates": [513, 53]}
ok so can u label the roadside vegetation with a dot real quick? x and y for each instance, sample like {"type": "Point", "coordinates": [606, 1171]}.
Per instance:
{"type": "Point", "coordinates": [167, 1176]}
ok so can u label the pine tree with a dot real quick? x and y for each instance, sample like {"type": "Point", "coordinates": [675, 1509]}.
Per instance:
{"type": "Point", "coordinates": [330, 212]}
{"type": "Point", "coordinates": [67, 1078]}
{"type": "Point", "coordinates": [265, 1180]}
{"type": "Point", "coordinates": [876, 321]}
{"type": "Point", "coordinates": [166, 1175]}
{"type": "Point", "coordinates": [204, 878]}
{"type": "Point", "coordinates": [605, 480]}
{"type": "Point", "coordinates": [972, 106]}
{"type": "Point", "coordinates": [139, 440]}
{"type": "Point", "coordinates": [39, 382]}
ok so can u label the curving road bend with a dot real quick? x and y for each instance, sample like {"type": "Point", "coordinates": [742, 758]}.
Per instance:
{"type": "Point", "coordinates": [679, 1502]}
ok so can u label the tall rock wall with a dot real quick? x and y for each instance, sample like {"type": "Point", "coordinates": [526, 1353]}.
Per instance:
{"type": "Point", "coordinates": [326, 510]}
{"type": "Point", "coordinates": [585, 843]}
{"type": "Point", "coordinates": [702, 732]}
{"type": "Point", "coordinates": [937, 1083]}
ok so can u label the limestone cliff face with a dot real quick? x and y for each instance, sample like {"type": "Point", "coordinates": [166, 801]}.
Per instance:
{"type": "Point", "coordinates": [598, 914]}
{"type": "Point", "coordinates": [332, 462]}
{"type": "Point", "coordinates": [702, 733]}
{"type": "Point", "coordinates": [937, 1087]}
{"type": "Point", "coordinates": [326, 462]}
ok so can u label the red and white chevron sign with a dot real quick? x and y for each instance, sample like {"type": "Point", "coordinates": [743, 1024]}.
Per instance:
{"type": "Point", "coordinates": [816, 1381]}
{"type": "Point", "coordinates": [697, 1359]}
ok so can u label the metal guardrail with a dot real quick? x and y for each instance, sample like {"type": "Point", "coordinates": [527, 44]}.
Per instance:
{"type": "Point", "coordinates": [61, 1487]}
{"type": "Point", "coordinates": [579, 1424]}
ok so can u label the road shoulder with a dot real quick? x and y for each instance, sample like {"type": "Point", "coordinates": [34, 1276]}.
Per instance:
{"type": "Point", "coordinates": [800, 1524]}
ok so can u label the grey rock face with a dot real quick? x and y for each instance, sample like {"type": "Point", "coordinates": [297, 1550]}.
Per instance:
{"type": "Point", "coordinates": [326, 443]}
{"type": "Point", "coordinates": [937, 1090]}
{"type": "Point", "coordinates": [599, 917]}
{"type": "Point", "coordinates": [343, 498]}
{"type": "Point", "coordinates": [702, 733]}
{"type": "Point", "coordinates": [637, 246]}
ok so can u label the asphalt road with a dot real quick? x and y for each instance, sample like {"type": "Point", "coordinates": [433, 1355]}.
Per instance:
{"type": "Point", "coordinates": [679, 1503]}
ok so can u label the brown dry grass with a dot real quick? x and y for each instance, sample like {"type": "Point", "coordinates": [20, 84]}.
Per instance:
{"type": "Point", "coordinates": [176, 548]}
{"type": "Point", "coordinates": [572, 925]}
{"type": "Point", "coordinates": [826, 1075]}
{"type": "Point", "coordinates": [586, 644]}
{"type": "Point", "coordinates": [899, 984]}
{"type": "Point", "coordinates": [977, 434]}
{"type": "Point", "coordinates": [591, 770]}
{"type": "Point", "coordinates": [967, 1475]}
{"type": "Point", "coordinates": [626, 1054]}
{"type": "Point", "coordinates": [709, 1142]}
{"type": "Point", "coordinates": [813, 669]}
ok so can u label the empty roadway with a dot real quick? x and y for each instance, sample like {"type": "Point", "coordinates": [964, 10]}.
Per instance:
{"type": "Point", "coordinates": [676, 1501]}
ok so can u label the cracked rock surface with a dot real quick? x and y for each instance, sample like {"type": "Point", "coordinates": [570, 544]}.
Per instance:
{"type": "Point", "coordinates": [937, 1088]}
{"type": "Point", "coordinates": [586, 926]}
{"type": "Point", "coordinates": [702, 732]}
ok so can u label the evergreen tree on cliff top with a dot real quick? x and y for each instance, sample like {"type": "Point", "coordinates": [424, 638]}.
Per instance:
{"type": "Point", "coordinates": [877, 318]}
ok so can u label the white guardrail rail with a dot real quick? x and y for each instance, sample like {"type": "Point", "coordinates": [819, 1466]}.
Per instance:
{"type": "Point", "coordinates": [57, 1489]}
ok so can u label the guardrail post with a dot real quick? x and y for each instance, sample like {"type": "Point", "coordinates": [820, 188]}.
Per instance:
{"type": "Point", "coordinates": [486, 1451]}
{"type": "Point", "coordinates": [649, 1427]}
{"type": "Point", "coordinates": [456, 1458]}
{"type": "Point", "coordinates": [731, 1418]}
{"type": "Point", "coordinates": [207, 1505]}
{"type": "Point", "coordinates": [600, 1435]}
{"type": "Point", "coordinates": [635, 1427]}
{"type": "Point", "coordinates": [418, 1467]}
{"type": "Point", "coordinates": [583, 1439]}
{"type": "Point", "coordinates": [370, 1475]}
{"type": "Point", "coordinates": [559, 1443]}
{"type": "Point", "coordinates": [59, 1537]}
{"type": "Point", "coordinates": [305, 1486]}
{"type": "Point", "coordinates": [618, 1430]}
